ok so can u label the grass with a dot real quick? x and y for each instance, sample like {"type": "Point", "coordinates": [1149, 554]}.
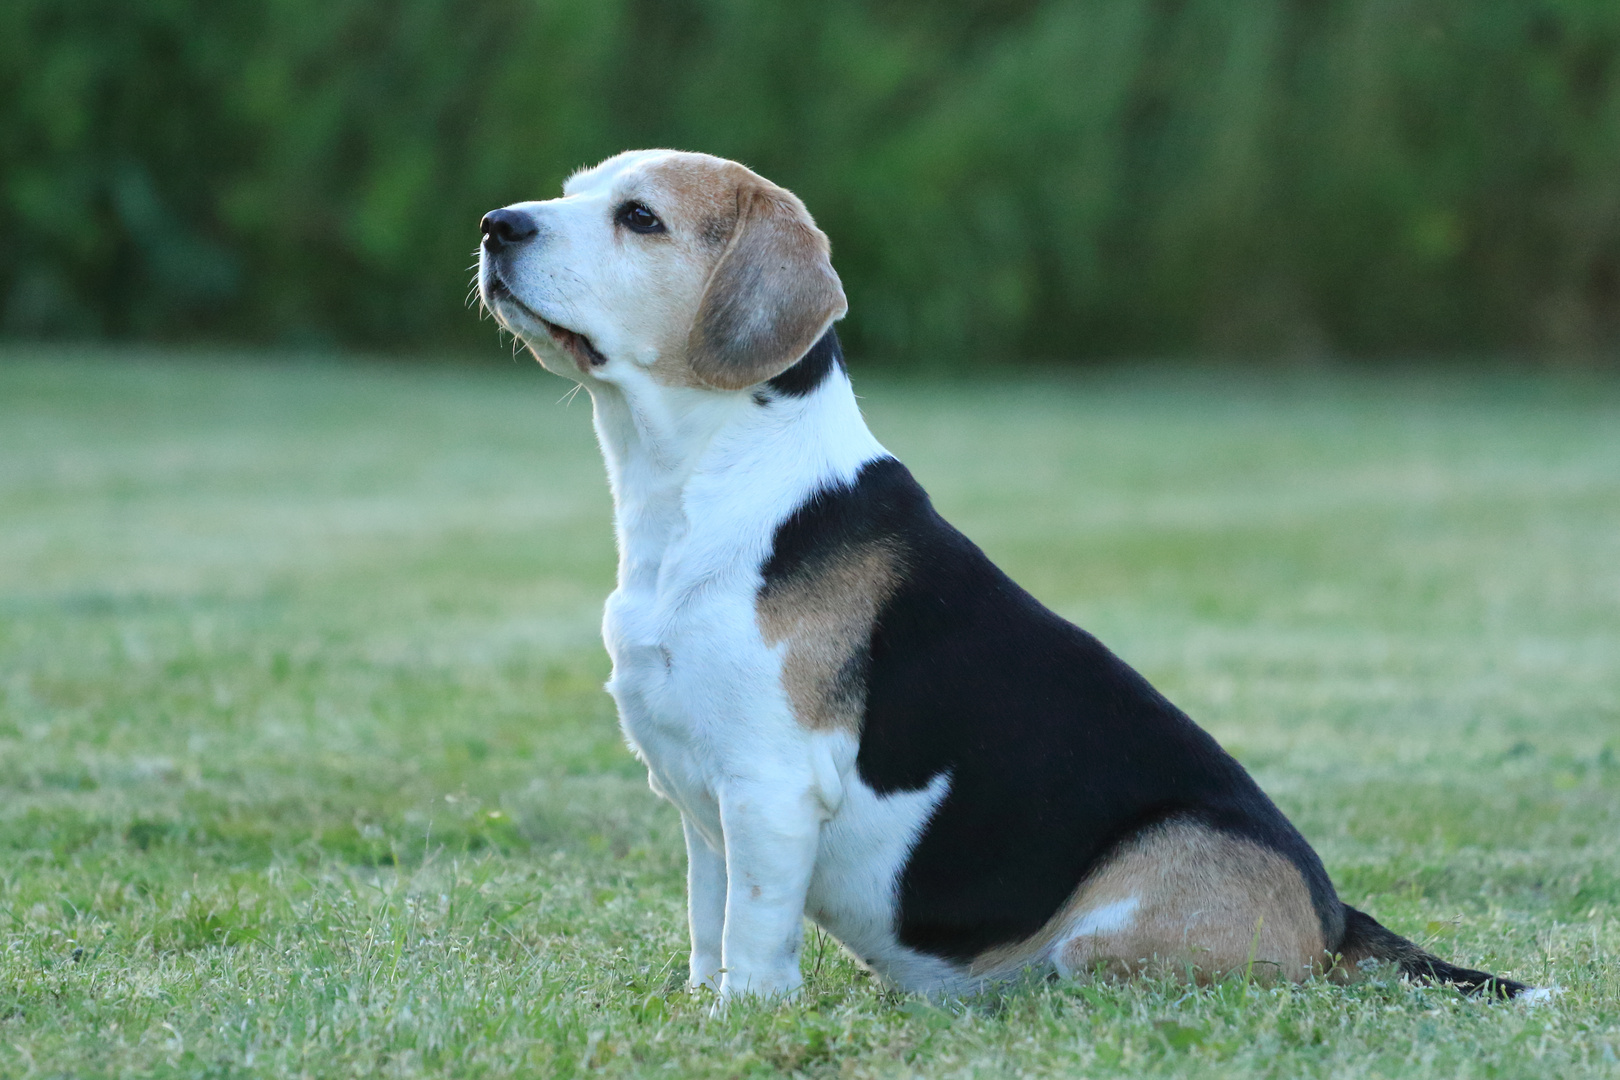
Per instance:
{"type": "Point", "coordinates": [305, 768]}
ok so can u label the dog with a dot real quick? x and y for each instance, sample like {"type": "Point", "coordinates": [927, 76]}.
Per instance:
{"type": "Point", "coordinates": [861, 719]}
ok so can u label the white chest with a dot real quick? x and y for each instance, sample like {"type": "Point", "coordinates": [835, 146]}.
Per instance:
{"type": "Point", "coordinates": [698, 496]}
{"type": "Point", "coordinates": [696, 684]}
{"type": "Point", "coordinates": [700, 692]}
{"type": "Point", "coordinates": [688, 668]}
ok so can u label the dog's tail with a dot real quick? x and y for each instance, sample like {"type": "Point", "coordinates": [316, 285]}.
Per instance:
{"type": "Point", "coordinates": [1366, 939]}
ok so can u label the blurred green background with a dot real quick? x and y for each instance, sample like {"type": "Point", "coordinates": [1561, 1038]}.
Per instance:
{"type": "Point", "coordinates": [305, 768]}
{"type": "Point", "coordinates": [1036, 179]}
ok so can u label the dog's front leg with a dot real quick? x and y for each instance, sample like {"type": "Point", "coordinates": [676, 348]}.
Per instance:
{"type": "Point", "coordinates": [771, 833]}
{"type": "Point", "coordinates": [705, 906]}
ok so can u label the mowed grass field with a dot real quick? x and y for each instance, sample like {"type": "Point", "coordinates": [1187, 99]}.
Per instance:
{"type": "Point", "coordinates": [306, 768]}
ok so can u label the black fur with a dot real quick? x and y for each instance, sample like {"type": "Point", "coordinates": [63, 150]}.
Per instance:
{"type": "Point", "coordinates": [1057, 749]}
{"type": "Point", "coordinates": [812, 368]}
{"type": "Point", "coordinates": [1365, 937]}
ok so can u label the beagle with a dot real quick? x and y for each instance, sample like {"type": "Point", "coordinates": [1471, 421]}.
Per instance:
{"type": "Point", "coordinates": [860, 718]}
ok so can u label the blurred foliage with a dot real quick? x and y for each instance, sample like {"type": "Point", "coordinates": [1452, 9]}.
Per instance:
{"type": "Point", "coordinates": [1049, 178]}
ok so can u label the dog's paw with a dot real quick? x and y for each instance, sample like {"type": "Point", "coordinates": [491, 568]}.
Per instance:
{"type": "Point", "coordinates": [704, 973]}
{"type": "Point", "coordinates": [778, 986]}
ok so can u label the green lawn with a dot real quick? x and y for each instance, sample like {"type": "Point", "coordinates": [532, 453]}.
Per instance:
{"type": "Point", "coordinates": [305, 768]}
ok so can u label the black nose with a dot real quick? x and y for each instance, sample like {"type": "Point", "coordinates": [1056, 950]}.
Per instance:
{"type": "Point", "coordinates": [503, 228]}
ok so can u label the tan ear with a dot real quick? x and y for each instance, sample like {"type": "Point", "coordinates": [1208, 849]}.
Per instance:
{"type": "Point", "coordinates": [770, 297]}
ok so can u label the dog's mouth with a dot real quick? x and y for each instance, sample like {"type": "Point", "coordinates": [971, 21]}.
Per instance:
{"type": "Point", "coordinates": [571, 342]}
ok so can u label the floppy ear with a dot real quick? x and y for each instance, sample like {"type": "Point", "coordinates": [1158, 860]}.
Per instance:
{"type": "Point", "coordinates": [770, 297]}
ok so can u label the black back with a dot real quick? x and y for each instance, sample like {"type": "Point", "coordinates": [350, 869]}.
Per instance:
{"type": "Point", "coordinates": [1057, 749]}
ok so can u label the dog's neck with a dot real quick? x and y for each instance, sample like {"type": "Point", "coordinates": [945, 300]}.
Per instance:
{"type": "Point", "coordinates": [669, 447]}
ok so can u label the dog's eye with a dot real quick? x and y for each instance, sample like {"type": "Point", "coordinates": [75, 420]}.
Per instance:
{"type": "Point", "coordinates": [637, 218]}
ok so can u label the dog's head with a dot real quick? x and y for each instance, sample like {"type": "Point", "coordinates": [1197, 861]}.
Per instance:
{"type": "Point", "coordinates": [688, 267]}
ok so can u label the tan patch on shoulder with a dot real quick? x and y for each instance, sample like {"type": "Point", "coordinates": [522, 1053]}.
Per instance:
{"type": "Point", "coordinates": [825, 613]}
{"type": "Point", "coordinates": [1181, 898]}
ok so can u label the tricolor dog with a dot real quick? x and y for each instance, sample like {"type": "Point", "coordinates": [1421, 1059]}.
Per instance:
{"type": "Point", "coordinates": [860, 718]}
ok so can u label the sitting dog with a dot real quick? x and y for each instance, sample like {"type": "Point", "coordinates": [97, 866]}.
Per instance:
{"type": "Point", "coordinates": [860, 718]}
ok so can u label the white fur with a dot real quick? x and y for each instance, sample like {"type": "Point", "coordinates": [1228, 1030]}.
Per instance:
{"type": "Point", "coordinates": [776, 818]}
{"type": "Point", "coordinates": [775, 813]}
{"type": "Point", "coordinates": [1111, 918]}
{"type": "Point", "coordinates": [1108, 919]}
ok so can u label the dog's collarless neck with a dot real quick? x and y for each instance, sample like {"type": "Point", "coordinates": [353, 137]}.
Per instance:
{"type": "Point", "coordinates": [679, 460]}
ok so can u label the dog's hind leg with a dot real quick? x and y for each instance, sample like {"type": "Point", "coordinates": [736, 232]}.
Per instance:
{"type": "Point", "coordinates": [1185, 898]}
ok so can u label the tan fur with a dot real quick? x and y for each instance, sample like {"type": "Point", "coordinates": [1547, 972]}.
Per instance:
{"type": "Point", "coordinates": [773, 292]}
{"type": "Point", "coordinates": [826, 615]}
{"type": "Point", "coordinates": [1208, 904]}
{"type": "Point", "coordinates": [698, 196]}
{"type": "Point", "coordinates": [746, 280]}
